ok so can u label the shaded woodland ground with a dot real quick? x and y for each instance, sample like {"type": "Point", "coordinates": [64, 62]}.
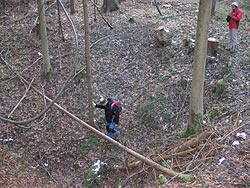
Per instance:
{"type": "Point", "coordinates": [153, 84]}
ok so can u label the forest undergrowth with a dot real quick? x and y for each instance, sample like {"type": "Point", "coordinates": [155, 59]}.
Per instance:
{"type": "Point", "coordinates": [152, 82]}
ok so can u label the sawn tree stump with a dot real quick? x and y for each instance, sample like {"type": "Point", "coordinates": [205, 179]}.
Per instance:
{"type": "Point", "coordinates": [212, 46]}
{"type": "Point", "coordinates": [110, 5]}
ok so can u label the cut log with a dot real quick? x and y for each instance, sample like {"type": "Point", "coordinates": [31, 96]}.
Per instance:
{"type": "Point", "coordinates": [212, 46]}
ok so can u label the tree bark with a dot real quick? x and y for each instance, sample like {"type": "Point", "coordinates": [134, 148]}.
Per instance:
{"type": "Point", "coordinates": [88, 65]}
{"type": "Point", "coordinates": [95, 2]}
{"type": "Point", "coordinates": [4, 4]}
{"type": "Point", "coordinates": [110, 5]}
{"type": "Point", "coordinates": [213, 7]}
{"type": "Point", "coordinates": [60, 30]}
{"type": "Point", "coordinates": [197, 86]}
{"type": "Point", "coordinates": [72, 7]}
{"type": "Point", "coordinates": [43, 35]}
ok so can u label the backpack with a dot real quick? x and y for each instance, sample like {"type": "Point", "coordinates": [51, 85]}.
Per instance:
{"type": "Point", "coordinates": [117, 104]}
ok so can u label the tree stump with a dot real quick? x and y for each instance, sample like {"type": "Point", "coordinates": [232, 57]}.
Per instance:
{"type": "Point", "coordinates": [163, 36]}
{"type": "Point", "coordinates": [219, 88]}
{"type": "Point", "coordinates": [190, 44]}
{"type": "Point", "coordinates": [110, 5]}
{"type": "Point", "coordinates": [212, 46]}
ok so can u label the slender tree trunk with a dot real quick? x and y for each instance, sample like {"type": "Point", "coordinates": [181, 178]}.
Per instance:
{"type": "Point", "coordinates": [72, 7]}
{"type": "Point", "coordinates": [60, 30]}
{"type": "Point", "coordinates": [88, 65]}
{"type": "Point", "coordinates": [110, 5]}
{"type": "Point", "coordinates": [4, 4]}
{"type": "Point", "coordinates": [197, 86]}
{"type": "Point", "coordinates": [213, 8]}
{"type": "Point", "coordinates": [95, 2]}
{"type": "Point", "coordinates": [43, 35]}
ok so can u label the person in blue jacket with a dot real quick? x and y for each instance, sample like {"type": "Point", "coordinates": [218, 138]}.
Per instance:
{"type": "Point", "coordinates": [112, 113]}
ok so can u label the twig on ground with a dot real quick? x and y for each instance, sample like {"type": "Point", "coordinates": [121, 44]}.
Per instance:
{"type": "Point", "coordinates": [24, 95]}
{"type": "Point", "coordinates": [206, 143]}
{"type": "Point", "coordinates": [110, 26]}
{"type": "Point", "coordinates": [233, 131]}
{"type": "Point", "coordinates": [157, 7]}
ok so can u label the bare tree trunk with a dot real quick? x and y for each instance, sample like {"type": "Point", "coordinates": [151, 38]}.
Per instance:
{"type": "Point", "coordinates": [110, 26]}
{"type": "Point", "coordinates": [72, 7]}
{"type": "Point", "coordinates": [88, 65]}
{"type": "Point", "coordinates": [95, 1]}
{"type": "Point", "coordinates": [4, 4]}
{"type": "Point", "coordinates": [60, 30]}
{"type": "Point", "coordinates": [197, 86]}
{"type": "Point", "coordinates": [213, 8]}
{"type": "Point", "coordinates": [110, 5]}
{"type": "Point", "coordinates": [43, 35]}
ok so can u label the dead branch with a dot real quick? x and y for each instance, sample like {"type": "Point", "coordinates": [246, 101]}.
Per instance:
{"type": "Point", "coordinates": [158, 159]}
{"type": "Point", "coordinates": [24, 95]}
{"type": "Point", "coordinates": [184, 149]}
{"type": "Point", "coordinates": [157, 7]}
{"type": "Point", "coordinates": [71, 23]}
{"type": "Point", "coordinates": [94, 43]}
{"type": "Point", "coordinates": [179, 154]}
{"type": "Point", "coordinates": [192, 143]}
{"type": "Point", "coordinates": [110, 26]}
{"type": "Point", "coordinates": [202, 148]}
{"type": "Point", "coordinates": [233, 132]}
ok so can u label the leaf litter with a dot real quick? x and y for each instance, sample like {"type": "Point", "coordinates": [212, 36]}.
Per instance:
{"type": "Point", "coordinates": [127, 65]}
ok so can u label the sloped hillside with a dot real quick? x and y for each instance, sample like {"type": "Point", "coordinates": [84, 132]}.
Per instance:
{"type": "Point", "coordinates": [152, 82]}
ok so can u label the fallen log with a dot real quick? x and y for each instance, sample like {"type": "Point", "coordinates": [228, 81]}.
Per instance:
{"type": "Point", "coordinates": [187, 147]}
{"type": "Point", "coordinates": [192, 143]}
{"type": "Point", "coordinates": [158, 159]}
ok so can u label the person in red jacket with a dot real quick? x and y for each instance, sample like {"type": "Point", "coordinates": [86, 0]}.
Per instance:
{"type": "Point", "coordinates": [233, 24]}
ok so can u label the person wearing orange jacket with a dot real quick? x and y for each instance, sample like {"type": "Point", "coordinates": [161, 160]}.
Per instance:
{"type": "Point", "coordinates": [233, 24]}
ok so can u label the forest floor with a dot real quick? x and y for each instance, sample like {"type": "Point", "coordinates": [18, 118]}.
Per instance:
{"type": "Point", "coordinates": [152, 82]}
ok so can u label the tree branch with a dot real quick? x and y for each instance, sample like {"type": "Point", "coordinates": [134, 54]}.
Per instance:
{"type": "Point", "coordinates": [157, 7]}
{"type": "Point", "coordinates": [110, 26]}
{"type": "Point", "coordinates": [24, 95]}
